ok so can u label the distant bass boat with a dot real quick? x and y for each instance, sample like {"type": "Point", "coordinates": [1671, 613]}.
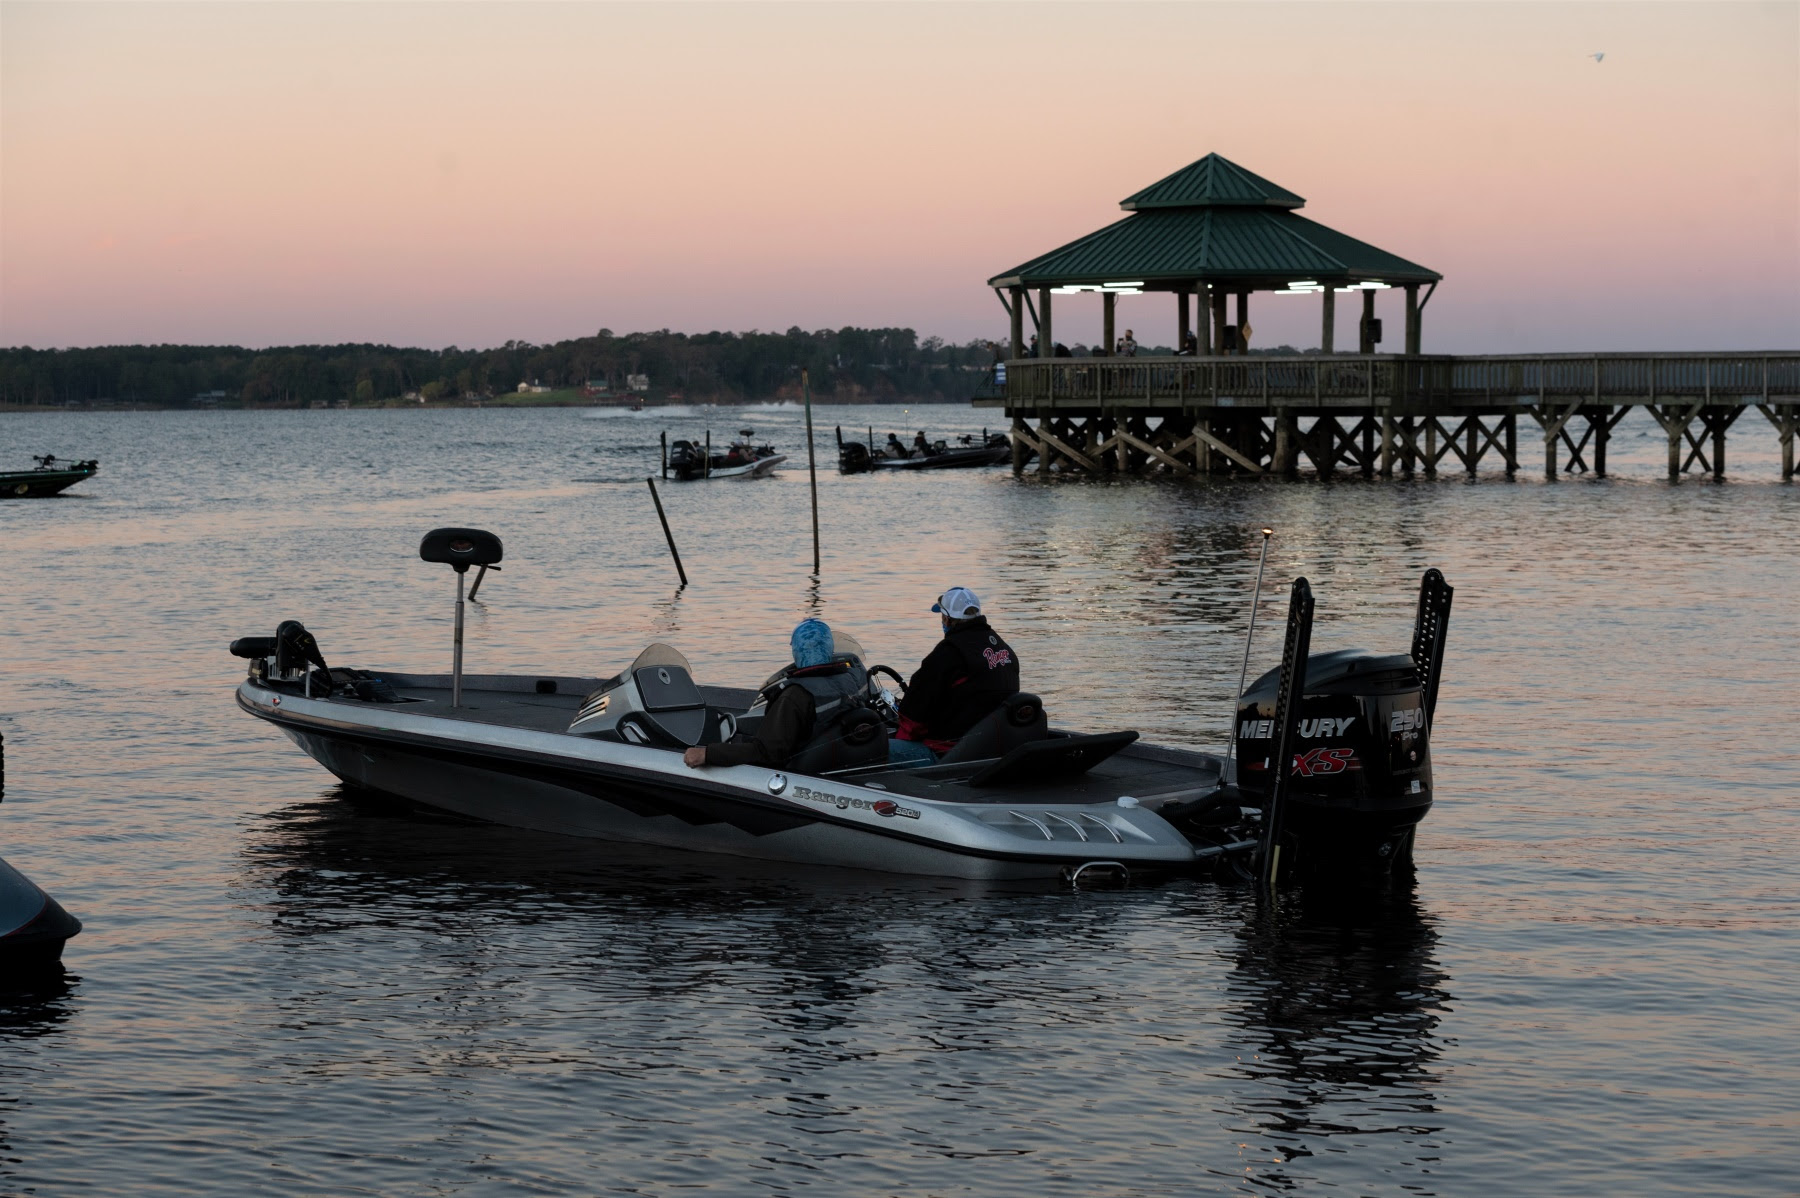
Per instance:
{"type": "Point", "coordinates": [51, 475]}
{"type": "Point", "coordinates": [744, 458]}
{"type": "Point", "coordinates": [1014, 799]}
{"type": "Point", "coordinates": [990, 449]}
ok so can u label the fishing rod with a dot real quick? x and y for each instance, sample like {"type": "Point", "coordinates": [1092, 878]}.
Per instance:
{"type": "Point", "coordinates": [1244, 673]}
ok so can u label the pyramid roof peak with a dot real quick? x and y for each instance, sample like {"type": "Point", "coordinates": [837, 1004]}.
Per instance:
{"type": "Point", "coordinates": [1212, 182]}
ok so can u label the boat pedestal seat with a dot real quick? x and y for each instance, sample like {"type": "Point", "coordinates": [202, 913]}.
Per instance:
{"type": "Point", "coordinates": [1018, 720]}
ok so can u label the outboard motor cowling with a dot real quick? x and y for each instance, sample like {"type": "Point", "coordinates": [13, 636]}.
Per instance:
{"type": "Point", "coordinates": [1363, 749]}
{"type": "Point", "coordinates": [1358, 774]}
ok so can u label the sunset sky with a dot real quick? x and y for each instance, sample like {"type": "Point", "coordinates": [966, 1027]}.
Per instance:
{"type": "Point", "coordinates": [436, 174]}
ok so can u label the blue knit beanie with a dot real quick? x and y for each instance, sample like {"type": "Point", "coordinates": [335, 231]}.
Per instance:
{"type": "Point", "coordinates": [812, 643]}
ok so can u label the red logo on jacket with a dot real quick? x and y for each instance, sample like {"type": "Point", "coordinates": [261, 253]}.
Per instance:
{"type": "Point", "coordinates": [997, 657]}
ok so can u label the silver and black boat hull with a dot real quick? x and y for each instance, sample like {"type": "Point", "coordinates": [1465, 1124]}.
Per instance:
{"type": "Point", "coordinates": [553, 782]}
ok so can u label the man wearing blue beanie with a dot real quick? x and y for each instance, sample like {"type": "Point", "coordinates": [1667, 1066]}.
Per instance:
{"type": "Point", "coordinates": [807, 696]}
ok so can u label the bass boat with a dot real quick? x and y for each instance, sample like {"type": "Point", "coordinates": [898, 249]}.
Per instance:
{"type": "Point", "coordinates": [1015, 798]}
{"type": "Point", "coordinates": [743, 459]}
{"type": "Point", "coordinates": [990, 449]}
{"type": "Point", "coordinates": [52, 475]}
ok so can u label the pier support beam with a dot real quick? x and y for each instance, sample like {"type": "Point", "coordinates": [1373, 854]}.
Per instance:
{"type": "Point", "coordinates": [1387, 447]}
{"type": "Point", "coordinates": [1181, 322]}
{"type": "Point", "coordinates": [1243, 322]}
{"type": "Point", "coordinates": [1108, 322]}
{"type": "Point", "coordinates": [1785, 421]}
{"type": "Point", "coordinates": [1512, 444]}
{"type": "Point", "coordinates": [1412, 318]}
{"type": "Point", "coordinates": [1328, 319]}
{"type": "Point", "coordinates": [1020, 434]}
{"type": "Point", "coordinates": [1218, 319]}
{"type": "Point", "coordinates": [1365, 344]}
{"type": "Point", "coordinates": [1017, 349]}
{"type": "Point", "coordinates": [1675, 420]}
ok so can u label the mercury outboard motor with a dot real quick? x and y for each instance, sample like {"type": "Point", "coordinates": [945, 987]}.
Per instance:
{"type": "Point", "coordinates": [854, 458]}
{"type": "Point", "coordinates": [1359, 764]}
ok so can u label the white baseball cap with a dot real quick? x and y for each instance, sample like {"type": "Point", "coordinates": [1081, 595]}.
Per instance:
{"type": "Point", "coordinates": [959, 603]}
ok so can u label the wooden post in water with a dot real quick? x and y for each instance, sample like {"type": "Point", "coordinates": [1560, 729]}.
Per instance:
{"type": "Point", "coordinates": [812, 467]}
{"type": "Point", "coordinates": [706, 463]}
{"type": "Point", "coordinates": [667, 535]}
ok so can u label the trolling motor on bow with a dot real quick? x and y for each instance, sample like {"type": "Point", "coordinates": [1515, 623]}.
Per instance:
{"type": "Point", "coordinates": [1352, 731]}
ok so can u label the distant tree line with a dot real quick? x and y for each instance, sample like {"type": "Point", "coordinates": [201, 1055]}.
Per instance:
{"type": "Point", "coordinates": [845, 365]}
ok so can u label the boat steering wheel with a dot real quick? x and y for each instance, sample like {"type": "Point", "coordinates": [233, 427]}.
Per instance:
{"type": "Point", "coordinates": [884, 696]}
{"type": "Point", "coordinates": [899, 682]}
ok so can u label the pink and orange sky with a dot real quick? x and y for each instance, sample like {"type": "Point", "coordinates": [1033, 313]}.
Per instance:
{"type": "Point", "coordinates": [436, 174]}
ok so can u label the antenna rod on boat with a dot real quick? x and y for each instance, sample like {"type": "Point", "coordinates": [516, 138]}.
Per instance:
{"type": "Point", "coordinates": [667, 535]}
{"type": "Point", "coordinates": [665, 453]}
{"type": "Point", "coordinates": [812, 466]}
{"type": "Point", "coordinates": [456, 655]}
{"type": "Point", "coordinates": [1244, 673]}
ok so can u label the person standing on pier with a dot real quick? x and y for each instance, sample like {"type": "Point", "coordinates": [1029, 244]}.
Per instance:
{"type": "Point", "coordinates": [1128, 346]}
{"type": "Point", "coordinates": [965, 677]}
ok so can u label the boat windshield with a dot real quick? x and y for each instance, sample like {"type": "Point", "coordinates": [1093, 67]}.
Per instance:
{"type": "Point", "coordinates": [660, 654]}
{"type": "Point", "coordinates": [842, 643]}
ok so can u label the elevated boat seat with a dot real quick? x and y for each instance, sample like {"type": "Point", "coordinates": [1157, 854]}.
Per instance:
{"type": "Point", "coordinates": [1018, 720]}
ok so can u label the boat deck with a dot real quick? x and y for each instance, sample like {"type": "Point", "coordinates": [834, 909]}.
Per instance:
{"type": "Point", "coordinates": [1153, 774]}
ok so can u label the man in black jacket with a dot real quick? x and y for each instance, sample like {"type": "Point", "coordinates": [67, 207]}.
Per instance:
{"type": "Point", "coordinates": [967, 675]}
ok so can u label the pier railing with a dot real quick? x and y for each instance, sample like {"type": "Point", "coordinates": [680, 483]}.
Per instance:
{"type": "Point", "coordinates": [1393, 382]}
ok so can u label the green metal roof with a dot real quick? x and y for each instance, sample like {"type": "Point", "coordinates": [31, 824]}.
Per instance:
{"type": "Point", "coordinates": [1232, 226]}
{"type": "Point", "coordinates": [1212, 181]}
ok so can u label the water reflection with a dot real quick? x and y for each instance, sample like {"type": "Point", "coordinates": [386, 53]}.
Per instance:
{"type": "Point", "coordinates": [36, 1002]}
{"type": "Point", "coordinates": [1337, 997]}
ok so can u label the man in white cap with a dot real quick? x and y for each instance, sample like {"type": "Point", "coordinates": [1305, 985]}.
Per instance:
{"type": "Point", "coordinates": [969, 673]}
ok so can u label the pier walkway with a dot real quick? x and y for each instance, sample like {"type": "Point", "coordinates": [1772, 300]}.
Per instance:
{"type": "Point", "coordinates": [1374, 413]}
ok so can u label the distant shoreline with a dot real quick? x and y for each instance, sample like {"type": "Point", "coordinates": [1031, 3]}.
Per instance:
{"type": "Point", "coordinates": [502, 401]}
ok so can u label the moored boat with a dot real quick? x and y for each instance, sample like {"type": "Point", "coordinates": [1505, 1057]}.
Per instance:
{"type": "Point", "coordinates": [51, 476]}
{"type": "Point", "coordinates": [602, 757]}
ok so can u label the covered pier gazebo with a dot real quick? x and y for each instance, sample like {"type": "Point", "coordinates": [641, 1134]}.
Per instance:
{"type": "Point", "coordinates": [1208, 232]}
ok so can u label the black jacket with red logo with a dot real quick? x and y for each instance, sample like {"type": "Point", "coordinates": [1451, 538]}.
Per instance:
{"type": "Point", "coordinates": [964, 678]}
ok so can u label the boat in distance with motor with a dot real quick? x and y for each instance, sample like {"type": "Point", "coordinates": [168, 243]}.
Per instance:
{"type": "Point", "coordinates": [1014, 799]}
{"type": "Point", "coordinates": [743, 458]}
{"type": "Point", "coordinates": [51, 476]}
{"type": "Point", "coordinates": [857, 457]}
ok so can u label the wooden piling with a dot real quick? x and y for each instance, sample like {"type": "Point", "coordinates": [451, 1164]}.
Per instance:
{"type": "Point", "coordinates": [667, 535]}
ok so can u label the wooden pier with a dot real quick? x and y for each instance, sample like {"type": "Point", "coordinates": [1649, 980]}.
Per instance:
{"type": "Point", "coordinates": [1381, 414]}
{"type": "Point", "coordinates": [1214, 233]}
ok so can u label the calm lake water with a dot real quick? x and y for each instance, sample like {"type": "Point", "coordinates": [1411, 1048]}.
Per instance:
{"type": "Point", "coordinates": [1591, 988]}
